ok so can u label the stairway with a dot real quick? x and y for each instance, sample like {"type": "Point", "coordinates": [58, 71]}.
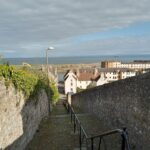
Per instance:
{"type": "Point", "coordinates": [56, 132]}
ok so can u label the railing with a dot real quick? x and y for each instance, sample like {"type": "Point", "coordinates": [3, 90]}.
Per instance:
{"type": "Point", "coordinates": [83, 135]}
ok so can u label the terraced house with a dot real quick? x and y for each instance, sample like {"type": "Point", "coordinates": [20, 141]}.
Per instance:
{"type": "Point", "coordinates": [79, 79]}
{"type": "Point", "coordinates": [137, 64]}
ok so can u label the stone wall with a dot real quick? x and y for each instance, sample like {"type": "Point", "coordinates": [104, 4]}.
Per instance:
{"type": "Point", "coordinates": [125, 103]}
{"type": "Point", "coordinates": [19, 119]}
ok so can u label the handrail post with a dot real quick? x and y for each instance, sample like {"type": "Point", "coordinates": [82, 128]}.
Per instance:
{"type": "Point", "coordinates": [92, 144]}
{"type": "Point", "coordinates": [80, 138]}
{"type": "Point", "coordinates": [99, 146]}
{"type": "Point", "coordinates": [71, 116]}
{"type": "Point", "coordinates": [123, 139]}
{"type": "Point", "coordinates": [126, 139]}
{"type": "Point", "coordinates": [68, 108]}
{"type": "Point", "coordinates": [123, 143]}
{"type": "Point", "coordinates": [74, 124]}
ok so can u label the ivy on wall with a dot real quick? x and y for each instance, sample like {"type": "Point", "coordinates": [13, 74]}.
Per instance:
{"type": "Point", "coordinates": [28, 81]}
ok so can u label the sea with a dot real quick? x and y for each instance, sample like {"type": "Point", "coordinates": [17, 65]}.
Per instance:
{"type": "Point", "coordinates": [74, 60]}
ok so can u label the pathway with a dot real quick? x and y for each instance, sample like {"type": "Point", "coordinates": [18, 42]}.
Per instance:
{"type": "Point", "coordinates": [56, 132]}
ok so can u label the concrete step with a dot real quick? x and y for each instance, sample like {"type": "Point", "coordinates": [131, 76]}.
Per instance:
{"type": "Point", "coordinates": [56, 133]}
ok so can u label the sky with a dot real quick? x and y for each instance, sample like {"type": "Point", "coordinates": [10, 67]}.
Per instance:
{"type": "Point", "coordinates": [74, 27]}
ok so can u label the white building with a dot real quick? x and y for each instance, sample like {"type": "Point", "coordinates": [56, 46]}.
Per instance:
{"type": "Point", "coordinates": [81, 79]}
{"type": "Point", "coordinates": [102, 80]}
{"type": "Point", "coordinates": [70, 82]}
{"type": "Point", "coordinates": [114, 74]}
{"type": "Point", "coordinates": [127, 73]}
{"type": "Point", "coordinates": [131, 65]}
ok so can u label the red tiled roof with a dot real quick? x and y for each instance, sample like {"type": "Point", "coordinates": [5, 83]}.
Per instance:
{"type": "Point", "coordinates": [87, 76]}
{"type": "Point", "coordinates": [94, 74]}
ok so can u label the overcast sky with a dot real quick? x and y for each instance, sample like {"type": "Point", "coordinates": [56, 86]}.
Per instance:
{"type": "Point", "coordinates": [74, 27]}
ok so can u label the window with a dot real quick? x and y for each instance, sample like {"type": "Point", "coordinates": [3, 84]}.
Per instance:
{"type": "Point", "coordinates": [71, 89]}
{"type": "Point", "coordinates": [71, 82]}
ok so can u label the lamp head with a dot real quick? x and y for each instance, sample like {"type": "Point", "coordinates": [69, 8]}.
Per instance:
{"type": "Point", "coordinates": [50, 48]}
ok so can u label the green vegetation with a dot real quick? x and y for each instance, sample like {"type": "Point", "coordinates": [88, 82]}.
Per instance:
{"type": "Point", "coordinates": [30, 82]}
{"type": "Point", "coordinates": [91, 85]}
{"type": "Point", "coordinates": [54, 92]}
{"type": "Point", "coordinates": [79, 90]}
{"type": "Point", "coordinates": [1, 59]}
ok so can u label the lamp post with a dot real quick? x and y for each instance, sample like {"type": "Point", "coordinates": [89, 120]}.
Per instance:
{"type": "Point", "coordinates": [48, 49]}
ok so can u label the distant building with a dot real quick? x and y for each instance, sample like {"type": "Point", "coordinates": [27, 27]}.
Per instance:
{"type": "Point", "coordinates": [83, 78]}
{"type": "Point", "coordinates": [111, 64]}
{"type": "Point", "coordinates": [137, 64]}
{"type": "Point", "coordinates": [70, 82]}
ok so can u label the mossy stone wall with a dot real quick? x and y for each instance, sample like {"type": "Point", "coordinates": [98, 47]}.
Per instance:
{"type": "Point", "coordinates": [19, 118]}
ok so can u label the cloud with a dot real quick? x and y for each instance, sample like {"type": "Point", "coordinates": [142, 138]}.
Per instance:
{"type": "Point", "coordinates": [7, 51]}
{"type": "Point", "coordinates": [40, 22]}
{"type": "Point", "coordinates": [112, 46]}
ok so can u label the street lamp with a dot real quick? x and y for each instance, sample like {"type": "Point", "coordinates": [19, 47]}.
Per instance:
{"type": "Point", "coordinates": [48, 49]}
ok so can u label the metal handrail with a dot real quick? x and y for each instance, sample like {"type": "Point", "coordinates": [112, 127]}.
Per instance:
{"type": "Point", "coordinates": [82, 132]}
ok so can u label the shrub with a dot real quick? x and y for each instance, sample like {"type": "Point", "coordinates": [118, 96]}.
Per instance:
{"type": "Point", "coordinates": [54, 92]}
{"type": "Point", "coordinates": [79, 90]}
{"type": "Point", "coordinates": [28, 81]}
{"type": "Point", "coordinates": [91, 85]}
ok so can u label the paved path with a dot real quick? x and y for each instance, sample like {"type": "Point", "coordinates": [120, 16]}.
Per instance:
{"type": "Point", "coordinates": [55, 133]}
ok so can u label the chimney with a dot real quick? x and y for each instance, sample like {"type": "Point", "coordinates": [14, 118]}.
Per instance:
{"type": "Point", "coordinates": [78, 72]}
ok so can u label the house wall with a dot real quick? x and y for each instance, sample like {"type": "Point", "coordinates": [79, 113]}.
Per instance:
{"type": "Point", "coordinates": [127, 74]}
{"type": "Point", "coordinates": [125, 103]}
{"type": "Point", "coordinates": [109, 64]}
{"type": "Point", "coordinates": [83, 84]}
{"type": "Point", "coordinates": [70, 84]}
{"type": "Point", "coordinates": [134, 66]}
{"type": "Point", "coordinates": [111, 76]}
{"type": "Point", "coordinates": [102, 80]}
